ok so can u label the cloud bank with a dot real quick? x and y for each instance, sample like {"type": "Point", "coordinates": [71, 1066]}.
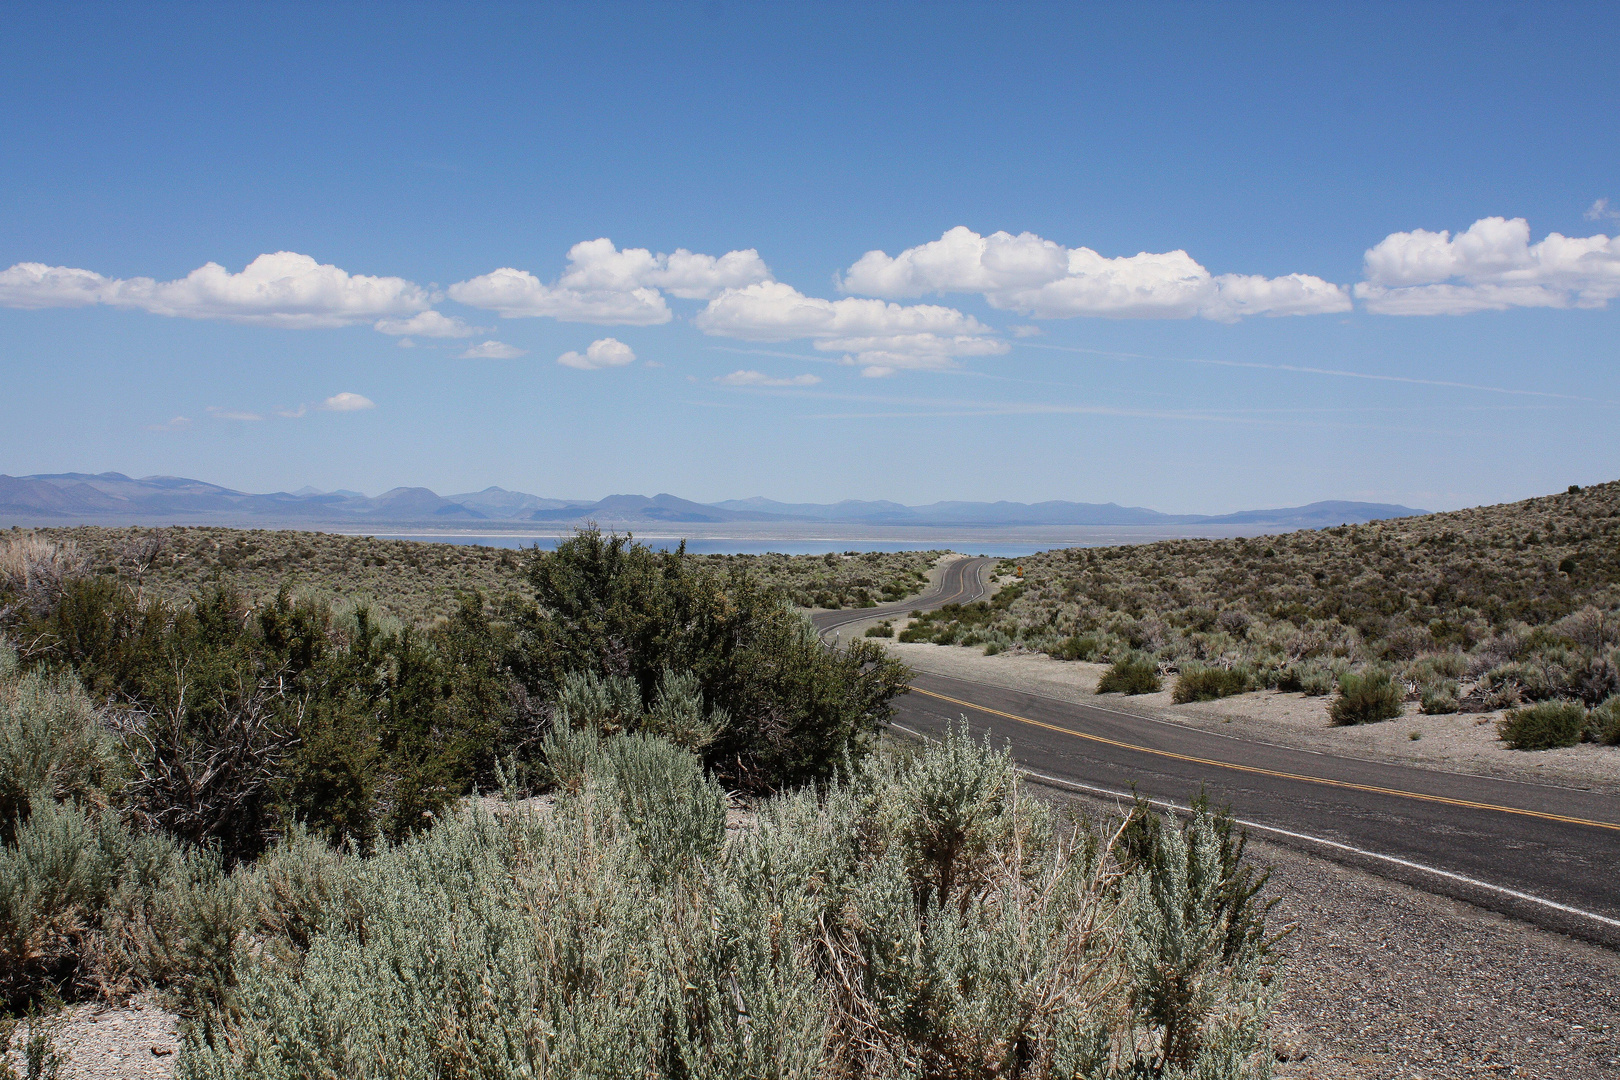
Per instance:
{"type": "Point", "coordinates": [883, 337]}
{"type": "Point", "coordinates": [284, 289]}
{"type": "Point", "coordinates": [611, 287]}
{"type": "Point", "coordinates": [1042, 279]}
{"type": "Point", "coordinates": [1490, 267]}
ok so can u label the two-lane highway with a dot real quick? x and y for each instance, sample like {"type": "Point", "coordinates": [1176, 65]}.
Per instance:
{"type": "Point", "coordinates": [1547, 854]}
{"type": "Point", "coordinates": [962, 581]}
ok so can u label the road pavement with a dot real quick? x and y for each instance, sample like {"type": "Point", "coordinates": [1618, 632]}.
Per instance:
{"type": "Point", "coordinates": [1546, 854]}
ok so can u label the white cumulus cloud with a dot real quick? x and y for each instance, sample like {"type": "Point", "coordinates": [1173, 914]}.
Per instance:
{"type": "Point", "coordinates": [603, 353]}
{"type": "Point", "coordinates": [432, 324]}
{"type": "Point", "coordinates": [492, 350]}
{"type": "Point", "coordinates": [611, 287]}
{"type": "Point", "coordinates": [1490, 266]}
{"type": "Point", "coordinates": [283, 289]}
{"type": "Point", "coordinates": [759, 378]}
{"type": "Point", "coordinates": [875, 333]}
{"type": "Point", "coordinates": [347, 402]}
{"type": "Point", "coordinates": [1043, 279]}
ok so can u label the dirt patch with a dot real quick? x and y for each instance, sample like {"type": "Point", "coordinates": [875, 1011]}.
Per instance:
{"type": "Point", "coordinates": [135, 1041]}
{"type": "Point", "coordinates": [1462, 742]}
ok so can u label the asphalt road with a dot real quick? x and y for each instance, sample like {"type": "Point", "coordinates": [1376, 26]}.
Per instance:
{"type": "Point", "coordinates": [1545, 854]}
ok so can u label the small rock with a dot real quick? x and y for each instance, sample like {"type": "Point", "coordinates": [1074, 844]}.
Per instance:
{"type": "Point", "coordinates": [162, 1051]}
{"type": "Point", "coordinates": [1291, 1050]}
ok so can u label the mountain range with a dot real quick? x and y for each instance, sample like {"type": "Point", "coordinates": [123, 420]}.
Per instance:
{"type": "Point", "coordinates": [113, 498]}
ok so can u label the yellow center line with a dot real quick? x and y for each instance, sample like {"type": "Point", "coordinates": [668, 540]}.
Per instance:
{"type": "Point", "coordinates": [1468, 803]}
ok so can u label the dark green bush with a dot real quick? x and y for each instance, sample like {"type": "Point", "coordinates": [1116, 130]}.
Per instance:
{"type": "Point", "coordinates": [1366, 699]}
{"type": "Point", "coordinates": [238, 720]}
{"type": "Point", "coordinates": [1542, 726]}
{"type": "Point", "coordinates": [1130, 675]}
{"type": "Point", "coordinates": [1209, 683]}
{"type": "Point", "coordinates": [881, 630]}
{"type": "Point", "coordinates": [607, 605]}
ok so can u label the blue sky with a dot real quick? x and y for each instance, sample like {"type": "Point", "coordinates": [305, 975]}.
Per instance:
{"type": "Point", "coordinates": [1296, 328]}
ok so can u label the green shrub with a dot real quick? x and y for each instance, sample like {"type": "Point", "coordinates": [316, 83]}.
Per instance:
{"type": "Point", "coordinates": [1366, 699]}
{"type": "Point", "coordinates": [1196, 683]}
{"type": "Point", "coordinates": [52, 741]}
{"type": "Point", "coordinates": [881, 630]}
{"type": "Point", "coordinates": [1543, 726]}
{"type": "Point", "coordinates": [1441, 698]}
{"type": "Point", "coordinates": [1130, 675]}
{"type": "Point", "coordinates": [606, 605]}
{"type": "Point", "coordinates": [68, 877]}
{"type": "Point", "coordinates": [1603, 723]}
{"type": "Point", "coordinates": [916, 917]}
{"type": "Point", "coordinates": [1076, 647]}
{"type": "Point", "coordinates": [677, 813]}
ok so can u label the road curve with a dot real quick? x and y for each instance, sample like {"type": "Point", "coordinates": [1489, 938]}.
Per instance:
{"type": "Point", "coordinates": [962, 582]}
{"type": "Point", "coordinates": [1545, 854]}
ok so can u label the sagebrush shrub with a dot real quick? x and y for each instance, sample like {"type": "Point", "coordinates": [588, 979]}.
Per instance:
{"type": "Point", "coordinates": [917, 917]}
{"type": "Point", "coordinates": [1603, 723]}
{"type": "Point", "coordinates": [1366, 699]}
{"type": "Point", "coordinates": [1441, 698]}
{"type": "Point", "coordinates": [1543, 726]}
{"type": "Point", "coordinates": [1196, 683]}
{"type": "Point", "coordinates": [52, 741]}
{"type": "Point", "coordinates": [1130, 675]}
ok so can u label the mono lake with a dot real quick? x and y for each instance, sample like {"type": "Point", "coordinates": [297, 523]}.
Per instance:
{"type": "Point", "coordinates": [742, 545]}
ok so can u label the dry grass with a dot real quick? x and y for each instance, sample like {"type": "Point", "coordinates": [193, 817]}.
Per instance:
{"type": "Point", "coordinates": [412, 580]}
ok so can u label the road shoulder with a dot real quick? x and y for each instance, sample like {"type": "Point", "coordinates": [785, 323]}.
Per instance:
{"type": "Point", "coordinates": [1463, 743]}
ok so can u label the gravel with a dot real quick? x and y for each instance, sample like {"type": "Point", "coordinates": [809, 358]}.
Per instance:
{"type": "Point", "coordinates": [1385, 981]}
{"type": "Point", "coordinates": [134, 1041]}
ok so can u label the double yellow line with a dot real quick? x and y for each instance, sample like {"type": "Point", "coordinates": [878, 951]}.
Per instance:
{"type": "Point", "coordinates": [1375, 789]}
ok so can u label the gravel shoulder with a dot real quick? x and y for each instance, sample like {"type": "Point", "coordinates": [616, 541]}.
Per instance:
{"type": "Point", "coordinates": [1382, 981]}
{"type": "Point", "coordinates": [1460, 743]}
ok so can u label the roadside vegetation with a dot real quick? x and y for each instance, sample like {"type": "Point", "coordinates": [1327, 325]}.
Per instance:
{"type": "Point", "coordinates": [419, 582]}
{"type": "Point", "coordinates": [1479, 610]}
{"type": "Point", "coordinates": [255, 809]}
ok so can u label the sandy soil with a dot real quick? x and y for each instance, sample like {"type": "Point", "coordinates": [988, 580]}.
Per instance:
{"type": "Point", "coordinates": [135, 1041]}
{"type": "Point", "coordinates": [1462, 742]}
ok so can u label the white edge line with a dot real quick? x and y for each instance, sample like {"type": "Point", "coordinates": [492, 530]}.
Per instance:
{"type": "Point", "coordinates": [1463, 878]}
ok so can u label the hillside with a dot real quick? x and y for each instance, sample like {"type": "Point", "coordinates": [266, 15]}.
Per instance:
{"type": "Point", "coordinates": [1491, 605]}
{"type": "Point", "coordinates": [418, 581]}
